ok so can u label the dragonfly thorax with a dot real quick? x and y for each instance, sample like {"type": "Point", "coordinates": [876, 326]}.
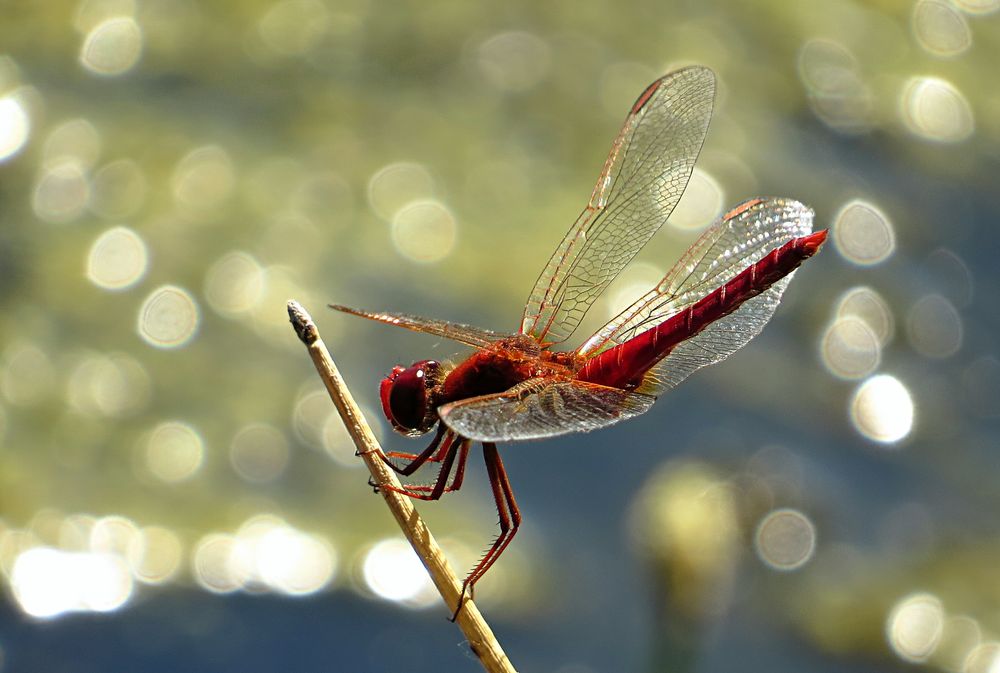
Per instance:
{"type": "Point", "coordinates": [409, 396]}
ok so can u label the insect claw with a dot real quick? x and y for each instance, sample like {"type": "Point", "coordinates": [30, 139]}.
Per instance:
{"type": "Point", "coordinates": [466, 589]}
{"type": "Point", "coordinates": [375, 487]}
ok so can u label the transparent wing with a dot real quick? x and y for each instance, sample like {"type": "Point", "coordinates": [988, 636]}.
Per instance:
{"type": "Point", "coordinates": [645, 174]}
{"type": "Point", "coordinates": [542, 408]}
{"type": "Point", "coordinates": [466, 334]}
{"type": "Point", "coordinates": [739, 238]}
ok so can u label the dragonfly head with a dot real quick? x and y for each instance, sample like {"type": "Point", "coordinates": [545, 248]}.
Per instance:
{"type": "Point", "coordinates": [408, 395]}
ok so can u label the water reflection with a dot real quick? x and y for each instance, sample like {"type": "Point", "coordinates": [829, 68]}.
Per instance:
{"type": "Point", "coordinates": [49, 582]}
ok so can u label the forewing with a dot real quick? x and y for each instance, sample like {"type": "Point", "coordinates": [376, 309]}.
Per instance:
{"type": "Point", "coordinates": [542, 408]}
{"type": "Point", "coordinates": [466, 334]}
{"type": "Point", "coordinates": [738, 239]}
{"type": "Point", "coordinates": [643, 178]}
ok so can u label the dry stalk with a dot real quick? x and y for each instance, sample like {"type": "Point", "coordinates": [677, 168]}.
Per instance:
{"type": "Point", "coordinates": [478, 633]}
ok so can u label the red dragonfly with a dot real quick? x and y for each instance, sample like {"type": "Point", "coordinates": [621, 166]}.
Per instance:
{"type": "Point", "coordinates": [715, 299]}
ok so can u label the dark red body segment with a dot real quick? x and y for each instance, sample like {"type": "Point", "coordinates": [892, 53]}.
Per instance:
{"type": "Point", "coordinates": [499, 368]}
{"type": "Point", "coordinates": [625, 365]}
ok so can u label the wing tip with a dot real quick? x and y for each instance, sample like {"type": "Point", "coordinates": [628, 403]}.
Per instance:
{"type": "Point", "coordinates": [795, 208]}
{"type": "Point", "coordinates": [696, 70]}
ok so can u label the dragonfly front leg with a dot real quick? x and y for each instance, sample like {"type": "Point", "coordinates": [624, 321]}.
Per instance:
{"type": "Point", "coordinates": [459, 449]}
{"type": "Point", "coordinates": [431, 454]}
{"type": "Point", "coordinates": [456, 483]}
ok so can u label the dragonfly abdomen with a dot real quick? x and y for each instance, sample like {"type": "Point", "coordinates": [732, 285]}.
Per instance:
{"type": "Point", "coordinates": [625, 365]}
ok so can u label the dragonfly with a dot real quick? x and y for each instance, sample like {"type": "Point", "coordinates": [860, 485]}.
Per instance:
{"type": "Point", "coordinates": [521, 386]}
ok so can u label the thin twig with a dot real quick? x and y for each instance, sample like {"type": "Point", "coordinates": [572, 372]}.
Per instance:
{"type": "Point", "coordinates": [481, 639]}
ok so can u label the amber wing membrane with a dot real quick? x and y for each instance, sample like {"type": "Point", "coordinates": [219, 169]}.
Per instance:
{"type": "Point", "coordinates": [645, 174]}
{"type": "Point", "coordinates": [466, 334]}
{"type": "Point", "coordinates": [734, 242]}
{"type": "Point", "coordinates": [541, 408]}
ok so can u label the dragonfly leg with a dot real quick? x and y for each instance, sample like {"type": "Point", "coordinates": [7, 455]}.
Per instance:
{"type": "Point", "coordinates": [510, 519]}
{"type": "Point", "coordinates": [428, 454]}
{"type": "Point", "coordinates": [403, 455]}
{"type": "Point", "coordinates": [456, 482]}
{"type": "Point", "coordinates": [440, 487]}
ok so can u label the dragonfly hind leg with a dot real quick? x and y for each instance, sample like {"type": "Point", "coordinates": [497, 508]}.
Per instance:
{"type": "Point", "coordinates": [510, 520]}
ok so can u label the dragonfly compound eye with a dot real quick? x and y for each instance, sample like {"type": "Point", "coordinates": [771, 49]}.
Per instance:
{"type": "Point", "coordinates": [406, 397]}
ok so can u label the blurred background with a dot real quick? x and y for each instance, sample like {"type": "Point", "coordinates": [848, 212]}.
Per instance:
{"type": "Point", "coordinates": [176, 491]}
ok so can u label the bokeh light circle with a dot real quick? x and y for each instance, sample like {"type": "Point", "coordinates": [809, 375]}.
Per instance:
{"type": "Point", "coordinates": [259, 453]}
{"type": "Point", "coordinates": [395, 185]}
{"type": "Point", "coordinates": [155, 555]}
{"type": "Point", "coordinates": [168, 317]}
{"type": "Point", "coordinates": [701, 202]}
{"type": "Point", "coordinates": [234, 284]}
{"type": "Point", "coordinates": [914, 626]}
{"type": "Point", "coordinates": [940, 28]}
{"type": "Point", "coordinates": [934, 327]}
{"type": "Point", "coordinates": [211, 563]}
{"type": "Point", "coordinates": [393, 571]}
{"type": "Point", "coordinates": [978, 7]}
{"type": "Point", "coordinates": [15, 126]}
{"type": "Point", "coordinates": [49, 582]}
{"type": "Point", "coordinates": [868, 305]}
{"type": "Point", "coordinates": [934, 109]}
{"type": "Point", "coordinates": [882, 409]}
{"type": "Point", "coordinates": [112, 386]}
{"type": "Point", "coordinates": [785, 539]}
{"type": "Point", "coordinates": [424, 231]}
{"type": "Point", "coordinates": [174, 451]}
{"type": "Point", "coordinates": [294, 27]}
{"type": "Point", "coordinates": [112, 47]}
{"type": "Point", "coordinates": [863, 234]}
{"type": "Point", "coordinates": [204, 178]}
{"type": "Point", "coordinates": [118, 259]}
{"type": "Point", "coordinates": [850, 348]}
{"type": "Point", "coordinates": [61, 193]}
{"type": "Point", "coordinates": [74, 140]}
{"type": "Point", "coordinates": [514, 60]}
{"type": "Point", "coordinates": [118, 189]}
